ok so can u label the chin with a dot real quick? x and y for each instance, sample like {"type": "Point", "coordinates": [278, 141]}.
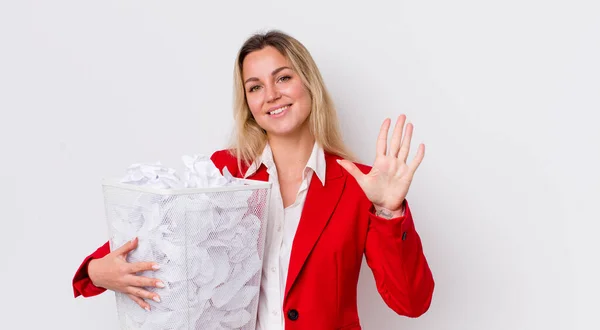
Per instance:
{"type": "Point", "coordinates": [282, 132]}
{"type": "Point", "coordinates": [287, 131]}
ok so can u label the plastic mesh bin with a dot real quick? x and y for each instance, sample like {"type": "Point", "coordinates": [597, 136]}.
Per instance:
{"type": "Point", "coordinates": [209, 243]}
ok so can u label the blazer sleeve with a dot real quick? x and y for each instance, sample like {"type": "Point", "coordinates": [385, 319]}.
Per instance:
{"type": "Point", "coordinates": [394, 253]}
{"type": "Point", "coordinates": [82, 284]}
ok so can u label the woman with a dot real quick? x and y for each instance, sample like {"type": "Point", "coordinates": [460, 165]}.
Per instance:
{"type": "Point", "coordinates": [325, 211]}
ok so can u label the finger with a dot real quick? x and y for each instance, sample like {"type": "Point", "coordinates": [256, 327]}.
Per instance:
{"type": "Point", "coordinates": [397, 136]}
{"type": "Point", "coordinates": [382, 138]}
{"type": "Point", "coordinates": [127, 247]}
{"type": "Point", "coordinates": [140, 302]}
{"type": "Point", "coordinates": [418, 159]}
{"type": "Point", "coordinates": [142, 281]}
{"type": "Point", "coordinates": [352, 169]}
{"type": "Point", "coordinates": [141, 293]}
{"type": "Point", "coordinates": [405, 149]}
{"type": "Point", "coordinates": [141, 266]}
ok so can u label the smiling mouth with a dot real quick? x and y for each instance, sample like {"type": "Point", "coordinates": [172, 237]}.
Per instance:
{"type": "Point", "coordinates": [279, 110]}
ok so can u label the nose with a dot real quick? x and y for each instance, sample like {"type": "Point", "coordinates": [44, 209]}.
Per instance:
{"type": "Point", "coordinates": [273, 93]}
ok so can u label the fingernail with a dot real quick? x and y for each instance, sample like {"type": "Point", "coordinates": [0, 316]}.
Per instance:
{"type": "Point", "coordinates": [156, 267]}
{"type": "Point", "coordinates": [147, 308]}
{"type": "Point", "coordinates": [156, 298]}
{"type": "Point", "coordinates": [160, 284]}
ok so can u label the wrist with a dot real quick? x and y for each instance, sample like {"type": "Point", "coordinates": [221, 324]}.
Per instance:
{"type": "Point", "coordinates": [386, 213]}
{"type": "Point", "coordinates": [91, 270]}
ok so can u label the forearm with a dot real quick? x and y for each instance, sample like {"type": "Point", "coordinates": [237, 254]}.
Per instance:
{"type": "Point", "coordinates": [395, 255]}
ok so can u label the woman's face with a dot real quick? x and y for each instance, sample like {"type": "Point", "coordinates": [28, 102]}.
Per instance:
{"type": "Point", "coordinates": [276, 96]}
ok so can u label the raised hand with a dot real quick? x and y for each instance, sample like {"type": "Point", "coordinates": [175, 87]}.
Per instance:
{"type": "Point", "coordinates": [387, 184]}
{"type": "Point", "coordinates": [113, 272]}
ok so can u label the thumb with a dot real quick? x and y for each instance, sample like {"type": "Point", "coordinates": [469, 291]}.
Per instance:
{"type": "Point", "coordinates": [127, 247]}
{"type": "Point", "coordinates": [351, 168]}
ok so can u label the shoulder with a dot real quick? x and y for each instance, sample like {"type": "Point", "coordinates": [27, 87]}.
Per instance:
{"type": "Point", "coordinates": [225, 158]}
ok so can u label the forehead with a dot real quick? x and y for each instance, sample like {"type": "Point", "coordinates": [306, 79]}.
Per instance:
{"type": "Point", "coordinates": [262, 62]}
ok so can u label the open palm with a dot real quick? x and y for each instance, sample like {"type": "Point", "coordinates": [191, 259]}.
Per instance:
{"type": "Point", "coordinates": [388, 182]}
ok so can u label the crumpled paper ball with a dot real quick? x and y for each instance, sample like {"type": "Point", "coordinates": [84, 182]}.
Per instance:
{"type": "Point", "coordinates": [152, 175]}
{"type": "Point", "coordinates": [200, 172]}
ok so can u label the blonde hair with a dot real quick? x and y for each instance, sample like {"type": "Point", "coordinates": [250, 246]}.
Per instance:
{"type": "Point", "coordinates": [249, 139]}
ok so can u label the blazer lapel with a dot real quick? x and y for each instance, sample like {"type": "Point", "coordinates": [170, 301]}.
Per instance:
{"type": "Point", "coordinates": [319, 205]}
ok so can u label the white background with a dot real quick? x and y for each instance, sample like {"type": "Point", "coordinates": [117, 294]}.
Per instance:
{"type": "Point", "coordinates": [505, 95]}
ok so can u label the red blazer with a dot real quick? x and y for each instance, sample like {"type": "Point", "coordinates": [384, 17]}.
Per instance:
{"type": "Point", "coordinates": [336, 228]}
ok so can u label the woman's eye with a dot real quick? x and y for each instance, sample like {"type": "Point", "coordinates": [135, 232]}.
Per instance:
{"type": "Point", "coordinates": [285, 78]}
{"type": "Point", "coordinates": [254, 88]}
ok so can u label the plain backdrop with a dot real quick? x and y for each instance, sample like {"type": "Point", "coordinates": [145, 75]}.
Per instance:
{"type": "Point", "coordinates": [504, 94]}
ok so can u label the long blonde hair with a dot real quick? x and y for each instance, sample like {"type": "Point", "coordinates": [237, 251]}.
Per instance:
{"type": "Point", "coordinates": [249, 139]}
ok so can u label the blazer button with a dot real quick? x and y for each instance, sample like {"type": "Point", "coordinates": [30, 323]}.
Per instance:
{"type": "Point", "coordinates": [293, 314]}
{"type": "Point", "coordinates": [404, 236]}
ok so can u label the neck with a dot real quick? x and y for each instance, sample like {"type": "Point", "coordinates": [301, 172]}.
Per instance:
{"type": "Point", "coordinates": [291, 154]}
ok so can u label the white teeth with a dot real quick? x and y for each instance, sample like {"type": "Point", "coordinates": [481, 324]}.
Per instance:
{"type": "Point", "coordinates": [278, 111]}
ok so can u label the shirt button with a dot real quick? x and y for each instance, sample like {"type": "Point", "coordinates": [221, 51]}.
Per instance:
{"type": "Point", "coordinates": [273, 269]}
{"type": "Point", "coordinates": [275, 312]}
{"type": "Point", "coordinates": [279, 229]}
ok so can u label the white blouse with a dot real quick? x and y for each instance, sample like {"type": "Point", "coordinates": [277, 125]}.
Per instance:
{"type": "Point", "coordinates": [281, 229]}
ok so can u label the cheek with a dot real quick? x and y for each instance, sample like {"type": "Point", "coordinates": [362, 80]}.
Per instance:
{"type": "Point", "coordinates": [299, 93]}
{"type": "Point", "coordinates": [304, 96]}
{"type": "Point", "coordinates": [254, 104]}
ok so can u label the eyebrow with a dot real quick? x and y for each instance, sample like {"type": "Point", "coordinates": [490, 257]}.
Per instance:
{"type": "Point", "coordinates": [276, 71]}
